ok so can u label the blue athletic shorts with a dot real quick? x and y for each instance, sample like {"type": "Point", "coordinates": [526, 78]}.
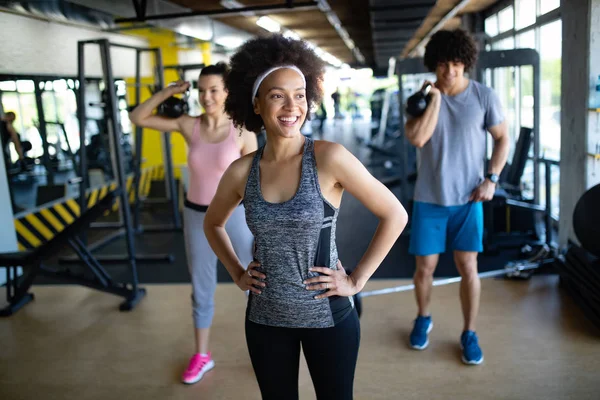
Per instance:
{"type": "Point", "coordinates": [436, 228]}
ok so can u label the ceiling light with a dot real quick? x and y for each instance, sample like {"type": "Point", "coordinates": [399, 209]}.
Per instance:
{"type": "Point", "coordinates": [291, 35]}
{"type": "Point", "coordinates": [230, 42]}
{"type": "Point", "coordinates": [232, 5]}
{"type": "Point", "coordinates": [268, 24]}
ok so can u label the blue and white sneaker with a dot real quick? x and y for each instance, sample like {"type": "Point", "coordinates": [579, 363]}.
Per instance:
{"type": "Point", "coordinates": [471, 352]}
{"type": "Point", "coordinates": [419, 339]}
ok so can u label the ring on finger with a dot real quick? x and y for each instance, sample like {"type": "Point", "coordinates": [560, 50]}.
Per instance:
{"type": "Point", "coordinates": [250, 272]}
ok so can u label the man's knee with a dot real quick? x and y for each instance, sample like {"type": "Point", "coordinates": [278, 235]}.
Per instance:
{"type": "Point", "coordinates": [426, 266]}
{"type": "Point", "coordinates": [466, 263]}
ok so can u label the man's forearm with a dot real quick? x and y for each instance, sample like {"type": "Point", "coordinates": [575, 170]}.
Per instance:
{"type": "Point", "coordinates": [420, 130]}
{"type": "Point", "coordinates": [499, 154]}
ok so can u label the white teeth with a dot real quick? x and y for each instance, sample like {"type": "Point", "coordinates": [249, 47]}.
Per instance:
{"type": "Point", "coordinates": [288, 119]}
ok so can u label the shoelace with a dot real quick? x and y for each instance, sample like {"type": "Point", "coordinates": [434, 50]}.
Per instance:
{"type": "Point", "coordinates": [471, 339]}
{"type": "Point", "coordinates": [421, 326]}
{"type": "Point", "coordinates": [198, 363]}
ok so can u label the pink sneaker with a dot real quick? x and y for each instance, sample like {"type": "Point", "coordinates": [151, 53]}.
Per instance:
{"type": "Point", "coordinates": [198, 366]}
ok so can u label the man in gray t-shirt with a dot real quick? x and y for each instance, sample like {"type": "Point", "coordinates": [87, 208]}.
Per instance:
{"type": "Point", "coordinates": [451, 186]}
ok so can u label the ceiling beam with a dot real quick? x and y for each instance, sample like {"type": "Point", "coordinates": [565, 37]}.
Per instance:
{"type": "Point", "coordinates": [438, 26]}
{"type": "Point", "coordinates": [268, 9]}
{"type": "Point", "coordinates": [425, 6]}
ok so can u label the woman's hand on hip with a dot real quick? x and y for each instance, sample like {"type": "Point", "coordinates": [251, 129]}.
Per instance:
{"type": "Point", "coordinates": [335, 281]}
{"type": "Point", "coordinates": [249, 279]}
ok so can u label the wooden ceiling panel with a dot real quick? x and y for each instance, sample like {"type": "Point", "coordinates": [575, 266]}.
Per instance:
{"type": "Point", "coordinates": [442, 8]}
{"type": "Point", "coordinates": [309, 24]}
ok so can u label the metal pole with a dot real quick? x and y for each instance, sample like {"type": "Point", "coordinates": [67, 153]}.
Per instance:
{"type": "Point", "coordinates": [510, 269]}
{"type": "Point", "coordinates": [112, 111]}
{"type": "Point", "coordinates": [82, 117]}
{"type": "Point", "coordinates": [405, 145]}
{"type": "Point", "coordinates": [43, 132]}
{"type": "Point", "coordinates": [223, 13]}
{"type": "Point", "coordinates": [536, 131]}
{"type": "Point", "coordinates": [168, 159]}
{"type": "Point", "coordinates": [548, 213]}
{"type": "Point", "coordinates": [138, 145]}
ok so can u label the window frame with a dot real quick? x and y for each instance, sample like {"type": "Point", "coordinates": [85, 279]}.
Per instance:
{"type": "Point", "coordinates": [541, 20]}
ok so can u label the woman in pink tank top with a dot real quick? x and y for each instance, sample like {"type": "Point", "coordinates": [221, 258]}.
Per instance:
{"type": "Point", "coordinates": [213, 144]}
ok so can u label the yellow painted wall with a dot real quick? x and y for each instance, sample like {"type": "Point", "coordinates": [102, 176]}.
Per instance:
{"type": "Point", "coordinates": [205, 48]}
{"type": "Point", "coordinates": [152, 148]}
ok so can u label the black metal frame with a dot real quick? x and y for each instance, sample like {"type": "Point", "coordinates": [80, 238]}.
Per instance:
{"type": "Point", "coordinates": [17, 287]}
{"type": "Point", "coordinates": [126, 225]}
{"type": "Point", "coordinates": [519, 58]}
{"type": "Point", "coordinates": [42, 131]}
{"type": "Point", "coordinates": [170, 186]}
{"type": "Point", "coordinates": [140, 8]}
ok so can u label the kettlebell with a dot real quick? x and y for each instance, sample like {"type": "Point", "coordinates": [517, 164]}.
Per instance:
{"type": "Point", "coordinates": [418, 102]}
{"type": "Point", "coordinates": [173, 107]}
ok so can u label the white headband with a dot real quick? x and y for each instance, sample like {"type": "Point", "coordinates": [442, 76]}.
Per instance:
{"type": "Point", "coordinates": [262, 77]}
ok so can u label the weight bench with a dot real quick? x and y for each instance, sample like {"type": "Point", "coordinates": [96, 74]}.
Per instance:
{"type": "Point", "coordinates": [32, 264]}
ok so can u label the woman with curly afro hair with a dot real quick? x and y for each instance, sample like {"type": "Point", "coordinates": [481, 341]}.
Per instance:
{"type": "Point", "coordinates": [451, 185]}
{"type": "Point", "coordinates": [300, 295]}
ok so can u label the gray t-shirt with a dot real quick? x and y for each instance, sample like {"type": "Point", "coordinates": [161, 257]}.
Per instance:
{"type": "Point", "coordinates": [452, 161]}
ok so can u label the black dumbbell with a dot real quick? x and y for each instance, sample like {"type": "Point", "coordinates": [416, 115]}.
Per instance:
{"type": "Point", "coordinates": [418, 102]}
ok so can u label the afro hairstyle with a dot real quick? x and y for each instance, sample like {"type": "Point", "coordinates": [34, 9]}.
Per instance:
{"type": "Point", "coordinates": [259, 55]}
{"type": "Point", "coordinates": [450, 46]}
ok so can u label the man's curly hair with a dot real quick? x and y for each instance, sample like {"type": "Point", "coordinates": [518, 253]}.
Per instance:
{"type": "Point", "coordinates": [450, 46]}
{"type": "Point", "coordinates": [257, 56]}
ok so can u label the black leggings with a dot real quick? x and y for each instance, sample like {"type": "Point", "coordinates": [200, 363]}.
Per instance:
{"type": "Point", "coordinates": [330, 353]}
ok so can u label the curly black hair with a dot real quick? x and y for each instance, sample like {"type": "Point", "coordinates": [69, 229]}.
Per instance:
{"type": "Point", "coordinates": [257, 56]}
{"type": "Point", "coordinates": [450, 46]}
{"type": "Point", "coordinates": [219, 68]}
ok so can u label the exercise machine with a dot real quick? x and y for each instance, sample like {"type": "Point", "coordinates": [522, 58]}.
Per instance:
{"type": "Point", "coordinates": [23, 267]}
{"type": "Point", "coordinates": [125, 226]}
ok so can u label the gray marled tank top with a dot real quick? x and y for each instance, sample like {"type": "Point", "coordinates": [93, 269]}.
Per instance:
{"type": "Point", "coordinates": [291, 237]}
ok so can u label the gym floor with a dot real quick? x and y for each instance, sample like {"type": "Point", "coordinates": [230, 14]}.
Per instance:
{"type": "Point", "coordinates": [73, 343]}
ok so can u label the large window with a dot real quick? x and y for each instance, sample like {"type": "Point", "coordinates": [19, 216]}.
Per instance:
{"type": "Point", "coordinates": [524, 13]}
{"type": "Point", "coordinates": [518, 25]}
{"type": "Point", "coordinates": [550, 55]}
{"type": "Point", "coordinates": [19, 97]}
{"type": "Point", "coordinates": [548, 5]}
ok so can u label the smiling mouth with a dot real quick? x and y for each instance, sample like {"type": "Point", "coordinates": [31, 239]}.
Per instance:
{"type": "Point", "coordinates": [288, 121]}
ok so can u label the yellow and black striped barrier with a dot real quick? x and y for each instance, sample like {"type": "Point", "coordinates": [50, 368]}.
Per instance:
{"type": "Point", "coordinates": [36, 227]}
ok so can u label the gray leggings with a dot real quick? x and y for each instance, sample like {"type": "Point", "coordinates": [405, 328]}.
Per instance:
{"type": "Point", "coordinates": [202, 261]}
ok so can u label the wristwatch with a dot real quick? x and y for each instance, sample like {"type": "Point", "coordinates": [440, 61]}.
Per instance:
{"type": "Point", "coordinates": [492, 177]}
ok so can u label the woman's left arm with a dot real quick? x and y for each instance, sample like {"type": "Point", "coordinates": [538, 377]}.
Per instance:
{"type": "Point", "coordinates": [352, 175]}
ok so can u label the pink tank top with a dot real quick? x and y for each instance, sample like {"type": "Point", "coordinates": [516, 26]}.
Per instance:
{"type": "Point", "coordinates": [207, 163]}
